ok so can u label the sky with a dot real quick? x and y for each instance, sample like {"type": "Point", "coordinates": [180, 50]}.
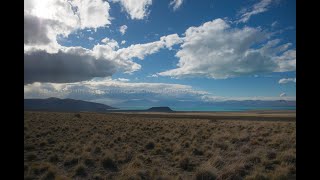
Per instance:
{"type": "Point", "coordinates": [121, 52]}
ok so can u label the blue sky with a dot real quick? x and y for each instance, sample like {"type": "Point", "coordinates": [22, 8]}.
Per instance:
{"type": "Point", "coordinates": [204, 68]}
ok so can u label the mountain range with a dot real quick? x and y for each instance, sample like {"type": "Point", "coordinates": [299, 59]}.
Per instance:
{"type": "Point", "coordinates": [72, 105]}
{"type": "Point", "coordinates": [66, 105]}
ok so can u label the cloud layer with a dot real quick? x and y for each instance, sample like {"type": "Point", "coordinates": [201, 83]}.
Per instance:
{"type": "Point", "coordinates": [65, 66]}
{"type": "Point", "coordinates": [121, 92]}
{"type": "Point", "coordinates": [113, 91]}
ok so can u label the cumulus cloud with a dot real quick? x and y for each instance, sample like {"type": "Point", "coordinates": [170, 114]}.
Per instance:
{"type": "Point", "coordinates": [73, 64]}
{"type": "Point", "coordinates": [91, 38]}
{"type": "Point", "coordinates": [137, 9]}
{"type": "Point", "coordinates": [286, 61]}
{"type": "Point", "coordinates": [123, 29]}
{"type": "Point", "coordinates": [42, 33]}
{"type": "Point", "coordinates": [45, 20]}
{"type": "Point", "coordinates": [123, 42]}
{"type": "Point", "coordinates": [36, 30]}
{"type": "Point", "coordinates": [176, 4]}
{"type": "Point", "coordinates": [257, 8]}
{"type": "Point", "coordinates": [287, 80]}
{"type": "Point", "coordinates": [171, 40]}
{"type": "Point", "coordinates": [92, 13]}
{"type": "Point", "coordinates": [77, 14]}
{"type": "Point", "coordinates": [57, 10]}
{"type": "Point", "coordinates": [110, 42]}
{"type": "Point", "coordinates": [216, 50]}
{"type": "Point", "coordinates": [141, 50]}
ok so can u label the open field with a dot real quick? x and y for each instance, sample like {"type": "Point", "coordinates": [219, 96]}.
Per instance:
{"type": "Point", "coordinates": [226, 145]}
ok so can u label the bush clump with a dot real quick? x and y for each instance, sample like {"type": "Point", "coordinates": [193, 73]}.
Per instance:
{"type": "Point", "coordinates": [81, 171]}
{"type": "Point", "coordinates": [150, 145]}
{"type": "Point", "coordinates": [109, 164]}
{"type": "Point", "coordinates": [54, 158]}
{"type": "Point", "coordinates": [31, 156]}
{"type": "Point", "coordinates": [205, 175]}
{"type": "Point", "coordinates": [185, 164]}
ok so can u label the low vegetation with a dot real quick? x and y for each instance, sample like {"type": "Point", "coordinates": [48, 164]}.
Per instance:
{"type": "Point", "coordinates": [121, 146]}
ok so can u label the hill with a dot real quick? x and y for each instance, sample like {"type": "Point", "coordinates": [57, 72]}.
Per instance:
{"type": "Point", "coordinates": [159, 109]}
{"type": "Point", "coordinates": [64, 105]}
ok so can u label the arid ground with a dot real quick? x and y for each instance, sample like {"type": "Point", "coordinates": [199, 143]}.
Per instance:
{"type": "Point", "coordinates": [248, 145]}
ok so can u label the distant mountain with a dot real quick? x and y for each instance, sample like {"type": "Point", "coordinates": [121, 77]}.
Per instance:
{"type": "Point", "coordinates": [65, 105]}
{"type": "Point", "coordinates": [159, 109]}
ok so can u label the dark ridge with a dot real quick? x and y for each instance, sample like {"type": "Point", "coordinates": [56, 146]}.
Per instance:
{"type": "Point", "coordinates": [64, 105]}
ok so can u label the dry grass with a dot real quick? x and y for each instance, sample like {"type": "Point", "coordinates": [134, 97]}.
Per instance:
{"type": "Point", "coordinates": [123, 146]}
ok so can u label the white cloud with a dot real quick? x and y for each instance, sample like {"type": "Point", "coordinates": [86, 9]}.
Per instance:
{"type": "Point", "coordinates": [176, 4]}
{"type": "Point", "coordinates": [218, 51]}
{"type": "Point", "coordinates": [123, 79]}
{"type": "Point", "coordinates": [123, 29]}
{"type": "Point", "coordinates": [76, 14]}
{"type": "Point", "coordinates": [153, 75]}
{"type": "Point", "coordinates": [286, 61]}
{"type": "Point", "coordinates": [92, 13]}
{"type": "Point", "coordinates": [113, 44]}
{"type": "Point", "coordinates": [57, 10]}
{"type": "Point", "coordinates": [274, 24]}
{"type": "Point", "coordinates": [137, 9]}
{"type": "Point", "coordinates": [45, 20]}
{"type": "Point", "coordinates": [257, 8]}
{"type": "Point", "coordinates": [91, 38]}
{"type": "Point", "coordinates": [283, 95]}
{"type": "Point", "coordinates": [287, 80]}
{"type": "Point", "coordinates": [171, 40]}
{"type": "Point", "coordinates": [123, 42]}
{"type": "Point", "coordinates": [141, 50]}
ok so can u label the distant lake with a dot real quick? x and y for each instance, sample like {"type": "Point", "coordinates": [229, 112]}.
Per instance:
{"type": "Point", "coordinates": [229, 108]}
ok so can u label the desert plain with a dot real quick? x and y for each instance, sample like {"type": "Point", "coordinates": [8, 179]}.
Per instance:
{"type": "Point", "coordinates": [178, 145]}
